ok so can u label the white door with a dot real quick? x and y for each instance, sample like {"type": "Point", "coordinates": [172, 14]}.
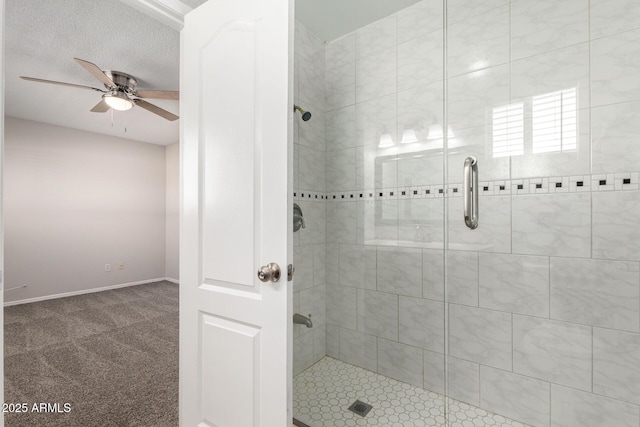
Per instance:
{"type": "Point", "coordinates": [236, 112]}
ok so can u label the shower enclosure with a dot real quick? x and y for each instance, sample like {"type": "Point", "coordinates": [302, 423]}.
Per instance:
{"type": "Point", "coordinates": [531, 318]}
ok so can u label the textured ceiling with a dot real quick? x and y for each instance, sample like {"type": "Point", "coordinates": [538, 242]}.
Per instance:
{"type": "Point", "coordinates": [43, 37]}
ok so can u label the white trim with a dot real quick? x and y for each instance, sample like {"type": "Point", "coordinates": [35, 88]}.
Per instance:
{"type": "Point", "coordinates": [169, 12]}
{"type": "Point", "coordinates": [85, 291]}
{"type": "Point", "coordinates": [169, 279]}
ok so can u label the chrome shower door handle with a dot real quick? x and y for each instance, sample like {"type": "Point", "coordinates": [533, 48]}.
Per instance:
{"type": "Point", "coordinates": [471, 192]}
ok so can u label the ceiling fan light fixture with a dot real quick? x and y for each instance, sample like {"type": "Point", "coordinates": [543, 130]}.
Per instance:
{"type": "Point", "coordinates": [118, 100]}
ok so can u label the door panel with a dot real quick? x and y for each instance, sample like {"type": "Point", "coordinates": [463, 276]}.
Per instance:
{"type": "Point", "coordinates": [236, 156]}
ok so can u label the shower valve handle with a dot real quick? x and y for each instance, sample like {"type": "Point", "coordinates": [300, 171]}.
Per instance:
{"type": "Point", "coordinates": [269, 272]}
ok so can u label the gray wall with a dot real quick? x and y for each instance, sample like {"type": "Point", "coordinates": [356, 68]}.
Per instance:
{"type": "Point", "coordinates": [172, 256]}
{"type": "Point", "coordinates": [75, 201]}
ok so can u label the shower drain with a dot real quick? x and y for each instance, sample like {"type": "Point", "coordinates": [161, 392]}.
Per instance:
{"type": "Point", "coordinates": [360, 408]}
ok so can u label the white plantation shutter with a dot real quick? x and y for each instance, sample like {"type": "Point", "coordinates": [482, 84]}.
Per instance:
{"type": "Point", "coordinates": [508, 130]}
{"type": "Point", "coordinates": [554, 119]}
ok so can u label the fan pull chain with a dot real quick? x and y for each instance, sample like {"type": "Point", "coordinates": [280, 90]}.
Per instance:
{"type": "Point", "coordinates": [111, 118]}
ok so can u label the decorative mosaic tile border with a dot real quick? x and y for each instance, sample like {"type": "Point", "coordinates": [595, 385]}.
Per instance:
{"type": "Point", "coordinates": [549, 185]}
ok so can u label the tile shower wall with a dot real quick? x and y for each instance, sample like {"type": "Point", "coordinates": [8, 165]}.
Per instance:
{"type": "Point", "coordinates": [309, 188]}
{"type": "Point", "coordinates": [543, 299]}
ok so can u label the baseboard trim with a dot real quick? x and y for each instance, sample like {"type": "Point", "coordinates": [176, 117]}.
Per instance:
{"type": "Point", "coordinates": [86, 291]}
{"type": "Point", "coordinates": [169, 279]}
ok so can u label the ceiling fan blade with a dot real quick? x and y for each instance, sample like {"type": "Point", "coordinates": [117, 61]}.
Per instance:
{"type": "Point", "coordinates": [159, 94]}
{"type": "Point", "coordinates": [33, 79]}
{"type": "Point", "coordinates": [156, 110]}
{"type": "Point", "coordinates": [101, 107]}
{"type": "Point", "coordinates": [96, 71]}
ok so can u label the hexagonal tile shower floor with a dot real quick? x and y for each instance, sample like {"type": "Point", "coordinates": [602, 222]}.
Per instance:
{"type": "Point", "coordinates": [323, 393]}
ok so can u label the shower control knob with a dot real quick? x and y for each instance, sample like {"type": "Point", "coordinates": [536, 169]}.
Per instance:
{"type": "Point", "coordinates": [269, 272]}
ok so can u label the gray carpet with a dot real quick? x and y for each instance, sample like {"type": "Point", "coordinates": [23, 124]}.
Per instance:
{"type": "Point", "coordinates": [112, 355]}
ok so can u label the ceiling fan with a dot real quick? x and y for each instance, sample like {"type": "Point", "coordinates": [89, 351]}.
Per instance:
{"type": "Point", "coordinates": [121, 93]}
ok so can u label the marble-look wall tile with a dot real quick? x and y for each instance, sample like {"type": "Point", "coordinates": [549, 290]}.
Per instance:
{"type": "Point", "coordinates": [296, 168]}
{"type": "Point", "coordinates": [377, 37]}
{"type": "Point", "coordinates": [341, 128]}
{"type": "Point", "coordinates": [615, 231]}
{"type": "Point", "coordinates": [543, 25]}
{"type": "Point", "coordinates": [359, 349]}
{"type": "Point", "coordinates": [420, 170]}
{"type": "Point", "coordinates": [420, 61]}
{"type": "Point", "coordinates": [311, 82]}
{"type": "Point", "coordinates": [552, 224]}
{"type": "Point", "coordinates": [420, 19]}
{"type": "Point", "coordinates": [315, 223]}
{"type": "Point", "coordinates": [472, 96]}
{"type": "Point", "coordinates": [319, 264]}
{"type": "Point", "coordinates": [341, 51]}
{"type": "Point", "coordinates": [332, 270]}
{"type": "Point", "coordinates": [459, 10]}
{"type": "Point", "coordinates": [377, 222]}
{"type": "Point", "coordinates": [341, 222]}
{"type": "Point", "coordinates": [479, 41]}
{"type": "Point", "coordinates": [302, 353]}
{"type": "Point", "coordinates": [615, 61]}
{"type": "Point", "coordinates": [515, 396]}
{"type": "Point", "coordinates": [434, 371]}
{"type": "Point", "coordinates": [333, 341]}
{"type": "Point", "coordinates": [313, 302]}
{"type": "Point", "coordinates": [552, 351]}
{"type": "Point", "coordinates": [553, 71]}
{"type": "Point", "coordinates": [341, 170]}
{"type": "Point", "coordinates": [311, 169]}
{"type": "Point", "coordinates": [572, 408]}
{"type": "Point", "coordinates": [614, 130]}
{"type": "Point", "coordinates": [341, 306]}
{"type": "Point", "coordinates": [399, 271]}
{"type": "Point", "coordinates": [515, 283]}
{"type": "Point", "coordinates": [464, 381]}
{"type": "Point", "coordinates": [340, 85]}
{"type": "Point", "coordinates": [303, 261]}
{"type": "Point", "coordinates": [376, 75]}
{"type": "Point", "coordinates": [613, 16]}
{"type": "Point", "coordinates": [481, 336]}
{"type": "Point", "coordinates": [462, 273]}
{"type": "Point", "coordinates": [615, 364]}
{"type": "Point", "coordinates": [296, 309]}
{"type": "Point", "coordinates": [422, 323]}
{"type": "Point", "coordinates": [494, 231]}
{"type": "Point", "coordinates": [378, 314]}
{"type": "Point", "coordinates": [421, 222]}
{"type": "Point", "coordinates": [374, 118]}
{"type": "Point", "coordinates": [433, 274]}
{"type": "Point", "coordinates": [418, 109]}
{"type": "Point", "coordinates": [357, 266]}
{"type": "Point", "coordinates": [596, 292]}
{"type": "Point", "coordinates": [401, 362]}
{"type": "Point", "coordinates": [319, 343]}
{"type": "Point", "coordinates": [307, 45]}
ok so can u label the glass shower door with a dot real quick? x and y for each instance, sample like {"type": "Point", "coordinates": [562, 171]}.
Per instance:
{"type": "Point", "coordinates": [543, 298]}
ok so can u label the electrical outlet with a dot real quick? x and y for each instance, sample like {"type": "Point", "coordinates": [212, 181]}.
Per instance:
{"type": "Point", "coordinates": [121, 265]}
{"type": "Point", "coordinates": [107, 267]}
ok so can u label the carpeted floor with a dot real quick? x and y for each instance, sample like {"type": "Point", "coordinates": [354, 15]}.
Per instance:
{"type": "Point", "coordinates": [113, 356]}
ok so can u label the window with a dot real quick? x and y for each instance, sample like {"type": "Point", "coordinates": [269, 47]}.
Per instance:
{"type": "Point", "coordinates": [508, 130]}
{"type": "Point", "coordinates": [554, 121]}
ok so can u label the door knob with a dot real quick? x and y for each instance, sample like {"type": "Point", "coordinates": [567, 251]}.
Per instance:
{"type": "Point", "coordinates": [269, 272]}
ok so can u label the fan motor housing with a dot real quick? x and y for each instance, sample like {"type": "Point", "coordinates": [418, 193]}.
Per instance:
{"type": "Point", "coordinates": [122, 80]}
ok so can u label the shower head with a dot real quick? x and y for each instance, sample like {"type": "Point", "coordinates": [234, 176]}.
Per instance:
{"type": "Point", "coordinates": [305, 114]}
